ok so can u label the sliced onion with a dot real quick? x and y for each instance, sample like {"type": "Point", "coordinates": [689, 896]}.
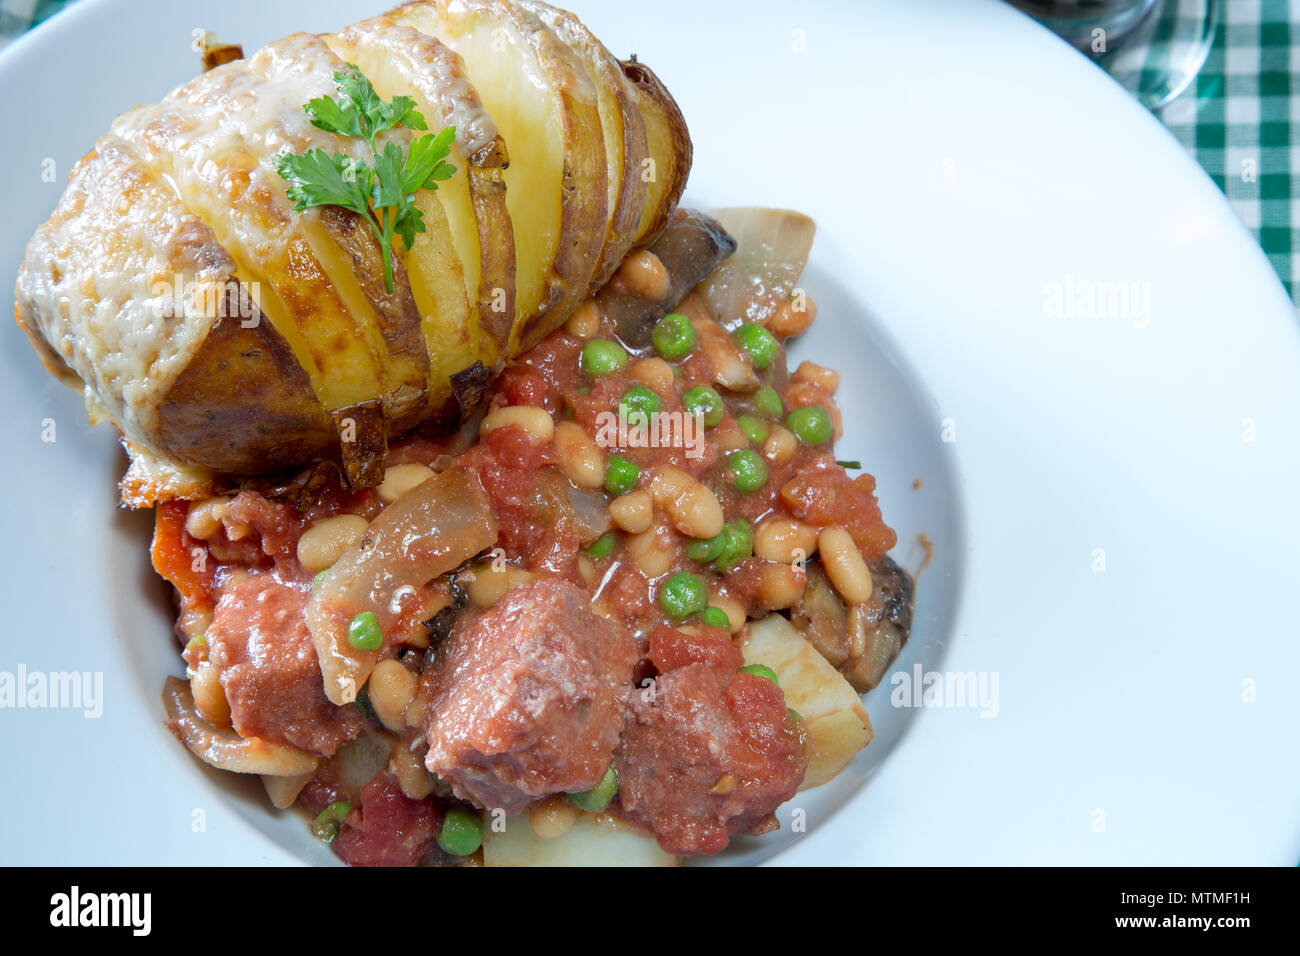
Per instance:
{"type": "Point", "coordinates": [590, 512]}
{"type": "Point", "coordinates": [438, 525]}
{"type": "Point", "coordinates": [772, 248]}
{"type": "Point", "coordinates": [222, 747]}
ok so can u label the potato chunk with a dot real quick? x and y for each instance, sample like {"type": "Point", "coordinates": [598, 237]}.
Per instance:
{"type": "Point", "coordinates": [838, 725]}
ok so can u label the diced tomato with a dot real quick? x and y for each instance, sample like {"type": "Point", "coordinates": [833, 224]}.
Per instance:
{"type": "Point", "coordinates": [824, 495]}
{"type": "Point", "coordinates": [176, 560]}
{"type": "Point", "coordinates": [389, 828]}
{"type": "Point", "coordinates": [671, 648]}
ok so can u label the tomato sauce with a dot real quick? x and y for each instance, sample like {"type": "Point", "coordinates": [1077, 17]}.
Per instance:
{"type": "Point", "coordinates": [717, 751]}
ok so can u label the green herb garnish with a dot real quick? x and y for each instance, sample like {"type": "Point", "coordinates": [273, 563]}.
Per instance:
{"type": "Point", "coordinates": [383, 191]}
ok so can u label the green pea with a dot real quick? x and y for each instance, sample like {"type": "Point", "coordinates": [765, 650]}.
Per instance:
{"type": "Point", "coordinates": [739, 545]}
{"type": "Point", "coordinates": [682, 595]}
{"type": "Point", "coordinates": [329, 821]}
{"type": "Point", "coordinates": [811, 425]}
{"type": "Point", "coordinates": [706, 549]}
{"type": "Point", "coordinates": [461, 832]}
{"type": "Point", "coordinates": [768, 402]}
{"type": "Point", "coordinates": [601, 357]}
{"type": "Point", "coordinates": [715, 617]}
{"type": "Point", "coordinates": [748, 470]}
{"type": "Point", "coordinates": [364, 633]}
{"type": "Point", "coordinates": [761, 670]}
{"type": "Point", "coordinates": [603, 546]}
{"type": "Point", "coordinates": [598, 797]}
{"type": "Point", "coordinates": [673, 337]}
{"type": "Point", "coordinates": [733, 544]}
{"type": "Point", "coordinates": [761, 344]}
{"type": "Point", "coordinates": [797, 722]}
{"type": "Point", "coordinates": [704, 401]}
{"type": "Point", "coordinates": [755, 428]}
{"type": "Point", "coordinates": [621, 475]}
{"type": "Point", "coordinates": [638, 404]}
{"type": "Point", "coordinates": [320, 576]}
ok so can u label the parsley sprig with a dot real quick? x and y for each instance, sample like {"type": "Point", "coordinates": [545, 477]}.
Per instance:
{"type": "Point", "coordinates": [381, 192]}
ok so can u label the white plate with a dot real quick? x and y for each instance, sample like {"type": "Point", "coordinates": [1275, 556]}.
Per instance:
{"type": "Point", "coordinates": [962, 165]}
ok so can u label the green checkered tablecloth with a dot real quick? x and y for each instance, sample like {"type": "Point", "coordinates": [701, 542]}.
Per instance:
{"type": "Point", "coordinates": [1239, 121]}
{"type": "Point", "coordinates": [1243, 119]}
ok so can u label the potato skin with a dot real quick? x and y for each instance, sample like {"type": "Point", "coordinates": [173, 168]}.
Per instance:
{"type": "Point", "coordinates": [243, 404]}
{"type": "Point", "coordinates": [625, 138]}
{"type": "Point", "coordinates": [666, 124]}
{"type": "Point", "coordinates": [397, 316]}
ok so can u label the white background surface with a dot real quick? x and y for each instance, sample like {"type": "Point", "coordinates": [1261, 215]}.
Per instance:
{"type": "Point", "coordinates": [958, 161]}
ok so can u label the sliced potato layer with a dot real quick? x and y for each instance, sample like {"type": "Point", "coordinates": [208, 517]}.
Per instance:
{"type": "Point", "coordinates": [623, 129]}
{"type": "Point", "coordinates": [538, 92]}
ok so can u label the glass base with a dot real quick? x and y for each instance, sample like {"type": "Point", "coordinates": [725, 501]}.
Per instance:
{"type": "Point", "coordinates": [1087, 23]}
{"type": "Point", "coordinates": [1153, 48]}
{"type": "Point", "coordinates": [1160, 58]}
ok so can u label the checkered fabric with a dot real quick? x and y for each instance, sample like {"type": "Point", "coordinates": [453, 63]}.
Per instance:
{"type": "Point", "coordinates": [1239, 120]}
{"type": "Point", "coordinates": [1242, 122]}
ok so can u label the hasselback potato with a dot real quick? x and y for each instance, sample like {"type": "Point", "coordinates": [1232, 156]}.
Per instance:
{"type": "Point", "coordinates": [224, 331]}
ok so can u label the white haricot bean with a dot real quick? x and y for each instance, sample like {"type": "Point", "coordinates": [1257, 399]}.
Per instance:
{"type": "Point", "coordinates": [536, 421]}
{"type": "Point", "coordinates": [729, 436]}
{"type": "Point", "coordinates": [390, 689]}
{"type": "Point", "coordinates": [283, 791]}
{"type": "Point", "coordinates": [780, 585]}
{"type": "Point", "coordinates": [697, 513]}
{"type": "Point", "coordinates": [580, 457]}
{"type": "Point", "coordinates": [411, 773]}
{"type": "Point", "coordinates": [633, 512]}
{"type": "Point", "coordinates": [400, 479]}
{"type": "Point", "coordinates": [656, 374]}
{"type": "Point", "coordinates": [731, 607]}
{"type": "Point", "coordinates": [668, 482]}
{"type": "Point", "coordinates": [490, 585]}
{"type": "Point", "coordinates": [780, 445]}
{"type": "Point", "coordinates": [209, 697]}
{"type": "Point", "coordinates": [652, 550]}
{"type": "Point", "coordinates": [844, 565]}
{"type": "Point", "coordinates": [693, 508]}
{"type": "Point", "coordinates": [553, 817]}
{"type": "Point", "coordinates": [585, 321]}
{"type": "Point", "coordinates": [784, 540]}
{"type": "Point", "coordinates": [730, 370]}
{"type": "Point", "coordinates": [804, 393]}
{"type": "Point", "coordinates": [327, 540]}
{"type": "Point", "coordinates": [789, 319]}
{"type": "Point", "coordinates": [644, 275]}
{"type": "Point", "coordinates": [204, 518]}
{"type": "Point", "coordinates": [827, 378]}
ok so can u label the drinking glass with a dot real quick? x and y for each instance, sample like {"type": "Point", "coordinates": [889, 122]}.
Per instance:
{"type": "Point", "coordinates": [1154, 48]}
